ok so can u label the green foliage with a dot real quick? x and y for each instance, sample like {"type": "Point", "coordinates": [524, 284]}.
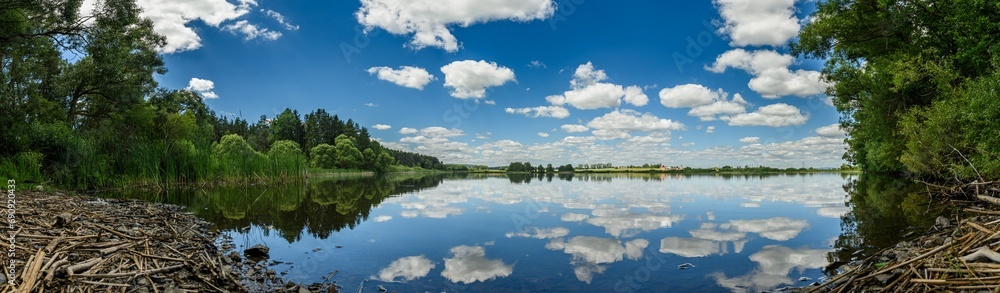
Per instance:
{"type": "Point", "coordinates": [287, 126]}
{"type": "Point", "coordinates": [889, 61]}
{"type": "Point", "coordinates": [958, 135]}
{"type": "Point", "coordinates": [323, 156]}
{"type": "Point", "coordinates": [348, 156]}
{"type": "Point", "coordinates": [287, 158]}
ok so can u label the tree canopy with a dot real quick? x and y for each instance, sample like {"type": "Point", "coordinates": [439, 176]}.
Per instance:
{"type": "Point", "coordinates": [915, 82]}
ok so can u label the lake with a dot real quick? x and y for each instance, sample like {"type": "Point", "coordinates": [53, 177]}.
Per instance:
{"type": "Point", "coordinates": [597, 232]}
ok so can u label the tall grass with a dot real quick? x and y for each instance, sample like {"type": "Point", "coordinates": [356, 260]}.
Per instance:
{"type": "Point", "coordinates": [106, 162]}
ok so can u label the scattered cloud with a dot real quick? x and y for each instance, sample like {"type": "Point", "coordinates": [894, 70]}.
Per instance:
{"type": "Point", "coordinates": [203, 87]}
{"type": "Point", "coordinates": [832, 130]}
{"type": "Point", "coordinates": [771, 77]}
{"type": "Point", "coordinates": [778, 228]}
{"type": "Point", "coordinates": [758, 23]}
{"type": "Point", "coordinates": [251, 31]}
{"type": "Point", "coordinates": [405, 76]}
{"type": "Point", "coordinates": [170, 18]}
{"type": "Point", "coordinates": [543, 134]}
{"type": "Point", "coordinates": [540, 111]}
{"type": "Point", "coordinates": [490, 102]}
{"type": "Point", "coordinates": [371, 105]}
{"type": "Point", "coordinates": [750, 139]}
{"type": "Point", "coordinates": [587, 91]}
{"type": "Point", "coordinates": [429, 20]}
{"type": "Point", "coordinates": [468, 264]}
{"type": "Point", "coordinates": [722, 108]}
{"type": "Point", "coordinates": [776, 115]}
{"type": "Point", "coordinates": [635, 96]}
{"type": "Point", "coordinates": [406, 269]}
{"type": "Point", "coordinates": [280, 19]}
{"type": "Point", "coordinates": [689, 96]}
{"type": "Point", "coordinates": [573, 128]}
{"type": "Point", "coordinates": [537, 64]}
{"type": "Point", "coordinates": [382, 126]}
{"type": "Point", "coordinates": [710, 130]}
{"type": "Point", "coordinates": [631, 120]}
{"type": "Point", "coordinates": [540, 233]}
{"type": "Point", "coordinates": [407, 130]}
{"type": "Point", "coordinates": [609, 134]}
{"type": "Point", "coordinates": [470, 79]}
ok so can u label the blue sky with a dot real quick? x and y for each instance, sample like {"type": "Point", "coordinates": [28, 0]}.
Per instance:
{"type": "Point", "coordinates": [695, 83]}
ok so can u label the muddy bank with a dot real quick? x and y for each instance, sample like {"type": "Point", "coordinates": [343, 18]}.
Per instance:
{"type": "Point", "coordinates": [959, 254]}
{"type": "Point", "coordinates": [82, 244]}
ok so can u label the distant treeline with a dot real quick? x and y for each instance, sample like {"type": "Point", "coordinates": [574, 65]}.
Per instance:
{"type": "Point", "coordinates": [527, 167]}
{"type": "Point", "coordinates": [100, 119]}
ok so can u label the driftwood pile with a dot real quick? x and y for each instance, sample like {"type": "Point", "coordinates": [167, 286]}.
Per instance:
{"type": "Point", "coordinates": [961, 256]}
{"type": "Point", "coordinates": [80, 244]}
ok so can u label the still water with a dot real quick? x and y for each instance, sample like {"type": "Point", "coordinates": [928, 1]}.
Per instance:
{"type": "Point", "coordinates": [583, 233]}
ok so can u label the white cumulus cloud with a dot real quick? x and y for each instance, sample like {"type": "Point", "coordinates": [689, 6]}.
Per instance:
{"type": "Point", "coordinates": [689, 95]}
{"type": "Point", "coordinates": [588, 91]}
{"type": "Point", "coordinates": [470, 79]}
{"type": "Point", "coordinates": [543, 134]}
{"type": "Point", "coordinates": [540, 111]}
{"type": "Point", "coordinates": [750, 139]}
{"type": "Point", "coordinates": [771, 76]}
{"type": "Point", "coordinates": [171, 18]}
{"type": "Point", "coordinates": [758, 22]}
{"type": "Point", "coordinates": [468, 264]}
{"type": "Point", "coordinates": [406, 269]}
{"type": "Point", "coordinates": [429, 20]}
{"type": "Point", "coordinates": [832, 130]}
{"type": "Point", "coordinates": [573, 128]}
{"type": "Point", "coordinates": [408, 130]}
{"type": "Point", "coordinates": [203, 87]}
{"type": "Point", "coordinates": [631, 120]}
{"type": "Point", "coordinates": [382, 126]}
{"type": "Point", "coordinates": [776, 115]}
{"type": "Point", "coordinates": [405, 76]}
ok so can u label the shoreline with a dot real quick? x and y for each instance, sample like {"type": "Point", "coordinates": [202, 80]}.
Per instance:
{"type": "Point", "coordinates": [74, 242]}
{"type": "Point", "coordinates": [958, 253]}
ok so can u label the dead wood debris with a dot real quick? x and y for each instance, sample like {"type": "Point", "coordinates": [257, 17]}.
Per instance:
{"type": "Point", "coordinates": [961, 256]}
{"type": "Point", "coordinates": [85, 244]}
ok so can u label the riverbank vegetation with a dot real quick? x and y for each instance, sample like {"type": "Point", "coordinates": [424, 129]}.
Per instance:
{"type": "Point", "coordinates": [81, 109]}
{"type": "Point", "coordinates": [916, 84]}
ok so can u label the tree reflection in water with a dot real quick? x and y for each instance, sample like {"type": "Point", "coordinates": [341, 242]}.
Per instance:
{"type": "Point", "coordinates": [884, 209]}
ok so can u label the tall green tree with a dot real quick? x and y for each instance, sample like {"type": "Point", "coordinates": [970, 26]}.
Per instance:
{"type": "Point", "coordinates": [889, 59]}
{"type": "Point", "coordinates": [348, 156]}
{"type": "Point", "coordinates": [287, 126]}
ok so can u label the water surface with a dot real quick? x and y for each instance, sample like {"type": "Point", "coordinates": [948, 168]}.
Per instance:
{"type": "Point", "coordinates": [621, 233]}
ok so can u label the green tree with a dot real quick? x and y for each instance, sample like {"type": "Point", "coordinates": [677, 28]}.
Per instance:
{"type": "Point", "coordinates": [286, 126]}
{"type": "Point", "coordinates": [319, 128]}
{"type": "Point", "coordinates": [384, 162]}
{"type": "Point", "coordinates": [889, 59]}
{"type": "Point", "coordinates": [323, 156]}
{"type": "Point", "coordinates": [370, 160]}
{"type": "Point", "coordinates": [348, 156]}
